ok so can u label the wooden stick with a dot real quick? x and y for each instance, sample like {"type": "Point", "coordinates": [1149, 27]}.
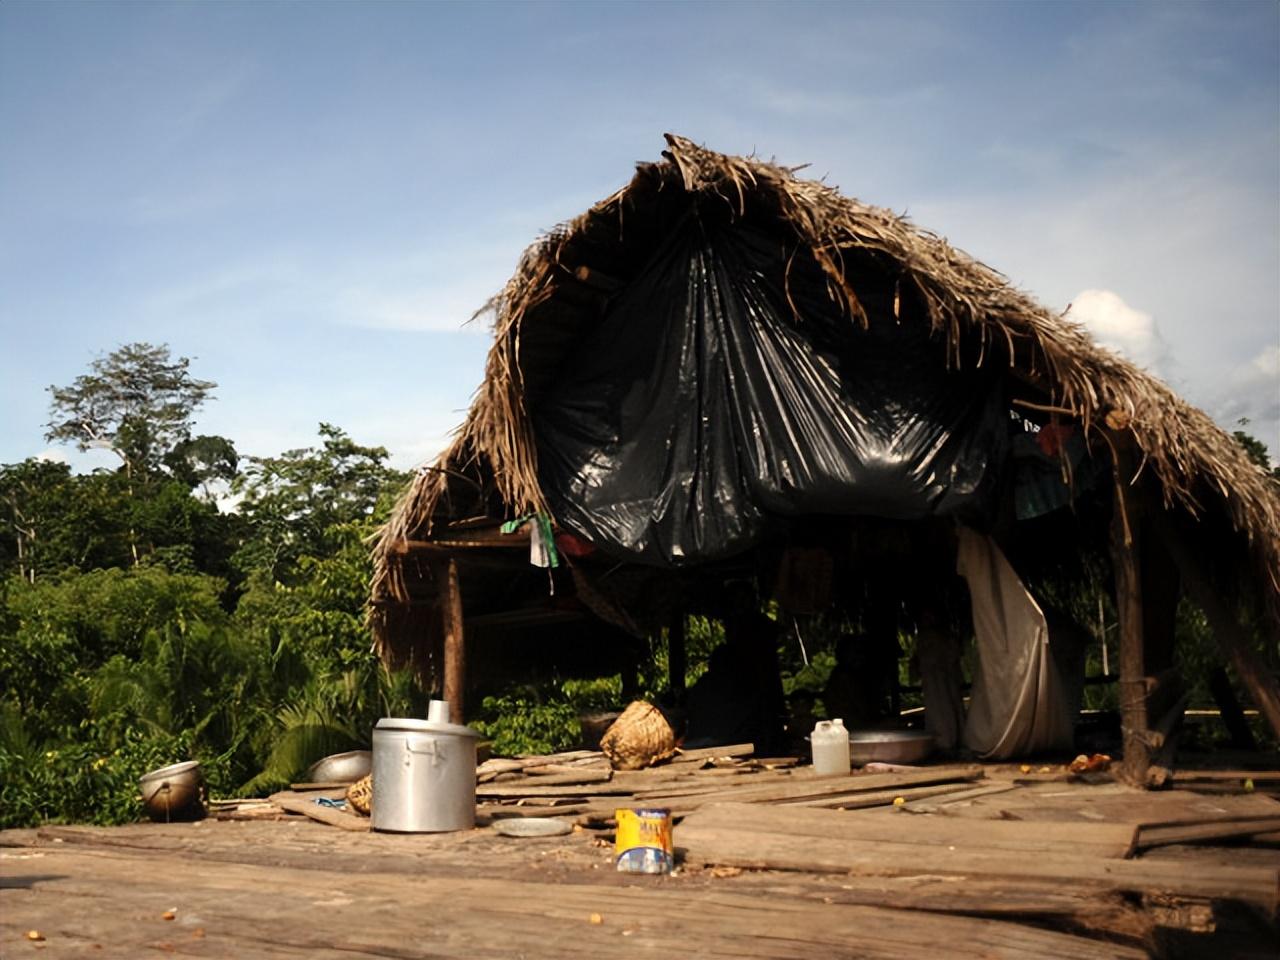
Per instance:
{"type": "Point", "coordinates": [334, 818]}
{"type": "Point", "coordinates": [1044, 408]}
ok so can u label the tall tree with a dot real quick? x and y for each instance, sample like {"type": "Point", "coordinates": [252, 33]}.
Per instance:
{"type": "Point", "coordinates": [1256, 449]}
{"type": "Point", "coordinates": [138, 402]}
{"type": "Point", "coordinates": [32, 497]}
{"type": "Point", "coordinates": [292, 502]}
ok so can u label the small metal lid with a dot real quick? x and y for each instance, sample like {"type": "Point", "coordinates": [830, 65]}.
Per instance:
{"type": "Point", "coordinates": [425, 726]}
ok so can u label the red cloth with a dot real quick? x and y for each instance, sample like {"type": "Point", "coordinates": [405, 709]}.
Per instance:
{"type": "Point", "coordinates": [1053, 436]}
{"type": "Point", "coordinates": [572, 545]}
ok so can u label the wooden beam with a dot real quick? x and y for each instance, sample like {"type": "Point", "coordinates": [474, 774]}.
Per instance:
{"type": "Point", "coordinates": [526, 617]}
{"type": "Point", "coordinates": [455, 651]}
{"type": "Point", "coordinates": [1126, 554]}
{"type": "Point", "coordinates": [1230, 636]}
{"type": "Point", "coordinates": [518, 540]}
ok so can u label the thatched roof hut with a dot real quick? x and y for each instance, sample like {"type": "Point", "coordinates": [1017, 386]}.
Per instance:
{"type": "Point", "coordinates": [863, 269]}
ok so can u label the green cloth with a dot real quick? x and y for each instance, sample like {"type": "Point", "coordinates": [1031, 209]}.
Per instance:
{"type": "Point", "coordinates": [544, 531]}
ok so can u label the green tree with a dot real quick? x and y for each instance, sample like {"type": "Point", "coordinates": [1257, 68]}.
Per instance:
{"type": "Point", "coordinates": [202, 462]}
{"type": "Point", "coordinates": [32, 497]}
{"type": "Point", "coordinates": [292, 502]}
{"type": "Point", "coordinates": [1255, 449]}
{"type": "Point", "coordinates": [138, 402]}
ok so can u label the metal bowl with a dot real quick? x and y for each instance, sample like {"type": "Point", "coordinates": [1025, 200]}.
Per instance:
{"type": "Point", "coordinates": [175, 792]}
{"type": "Point", "coordinates": [341, 767]}
{"type": "Point", "coordinates": [889, 746]}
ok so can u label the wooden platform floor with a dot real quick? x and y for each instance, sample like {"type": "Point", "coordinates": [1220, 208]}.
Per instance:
{"type": "Point", "coordinates": [301, 889]}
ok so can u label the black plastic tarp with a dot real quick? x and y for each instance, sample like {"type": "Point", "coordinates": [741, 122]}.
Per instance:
{"type": "Point", "coordinates": [701, 412]}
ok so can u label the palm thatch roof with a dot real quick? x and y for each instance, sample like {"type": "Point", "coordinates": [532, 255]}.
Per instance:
{"type": "Point", "coordinates": [562, 285]}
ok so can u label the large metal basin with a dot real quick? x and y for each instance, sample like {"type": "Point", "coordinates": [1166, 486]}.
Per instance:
{"type": "Point", "coordinates": [889, 746]}
{"type": "Point", "coordinates": [341, 767]}
{"type": "Point", "coordinates": [175, 792]}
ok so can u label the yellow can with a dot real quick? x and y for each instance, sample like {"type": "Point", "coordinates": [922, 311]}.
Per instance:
{"type": "Point", "coordinates": [643, 841]}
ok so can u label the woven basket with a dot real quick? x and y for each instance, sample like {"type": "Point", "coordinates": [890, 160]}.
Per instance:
{"type": "Point", "coordinates": [360, 795]}
{"type": "Point", "coordinates": [639, 738]}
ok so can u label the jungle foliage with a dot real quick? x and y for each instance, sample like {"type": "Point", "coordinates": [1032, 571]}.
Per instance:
{"type": "Point", "coordinates": [188, 604]}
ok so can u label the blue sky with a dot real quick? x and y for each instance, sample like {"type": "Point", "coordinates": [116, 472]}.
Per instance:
{"type": "Point", "coordinates": [310, 199]}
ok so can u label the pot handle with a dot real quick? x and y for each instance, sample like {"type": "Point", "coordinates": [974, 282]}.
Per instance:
{"type": "Point", "coordinates": [430, 749]}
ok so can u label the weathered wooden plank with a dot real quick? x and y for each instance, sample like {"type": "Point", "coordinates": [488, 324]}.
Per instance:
{"type": "Point", "coordinates": [702, 754]}
{"type": "Point", "coordinates": [238, 911]}
{"type": "Point", "coordinates": [883, 798]}
{"type": "Point", "coordinates": [891, 833]}
{"type": "Point", "coordinates": [1181, 777]}
{"type": "Point", "coordinates": [1198, 831]}
{"type": "Point", "coordinates": [809, 787]}
{"type": "Point", "coordinates": [571, 778]}
{"type": "Point", "coordinates": [838, 794]}
{"type": "Point", "coordinates": [487, 812]}
{"type": "Point", "coordinates": [963, 795]}
{"type": "Point", "coordinates": [1083, 908]}
{"type": "Point", "coordinates": [1125, 806]}
{"type": "Point", "coordinates": [704, 842]}
{"type": "Point", "coordinates": [590, 775]}
{"type": "Point", "coordinates": [535, 790]}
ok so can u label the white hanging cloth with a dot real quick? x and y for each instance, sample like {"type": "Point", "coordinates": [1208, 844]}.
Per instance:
{"type": "Point", "coordinates": [1019, 703]}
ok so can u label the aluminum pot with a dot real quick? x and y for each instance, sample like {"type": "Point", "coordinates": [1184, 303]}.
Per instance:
{"type": "Point", "coordinates": [175, 792]}
{"type": "Point", "coordinates": [341, 767]}
{"type": "Point", "coordinates": [424, 774]}
{"type": "Point", "coordinates": [889, 746]}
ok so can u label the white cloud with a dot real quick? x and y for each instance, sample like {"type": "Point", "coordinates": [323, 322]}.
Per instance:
{"type": "Point", "coordinates": [1252, 392]}
{"type": "Point", "coordinates": [1120, 328]}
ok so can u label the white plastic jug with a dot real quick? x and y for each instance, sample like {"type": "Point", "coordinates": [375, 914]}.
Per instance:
{"type": "Point", "coordinates": [830, 743]}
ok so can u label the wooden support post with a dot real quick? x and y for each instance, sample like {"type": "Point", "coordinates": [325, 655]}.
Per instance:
{"type": "Point", "coordinates": [677, 660]}
{"type": "Point", "coordinates": [1230, 636]}
{"type": "Point", "coordinates": [455, 651]}
{"type": "Point", "coordinates": [1229, 709]}
{"type": "Point", "coordinates": [1126, 554]}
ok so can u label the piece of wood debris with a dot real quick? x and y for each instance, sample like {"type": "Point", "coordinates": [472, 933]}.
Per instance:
{"type": "Point", "coordinates": [329, 815]}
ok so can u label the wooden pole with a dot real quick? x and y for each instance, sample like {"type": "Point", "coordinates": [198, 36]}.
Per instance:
{"type": "Point", "coordinates": [1229, 709]}
{"type": "Point", "coordinates": [455, 652]}
{"type": "Point", "coordinates": [1230, 636]}
{"type": "Point", "coordinates": [1125, 553]}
